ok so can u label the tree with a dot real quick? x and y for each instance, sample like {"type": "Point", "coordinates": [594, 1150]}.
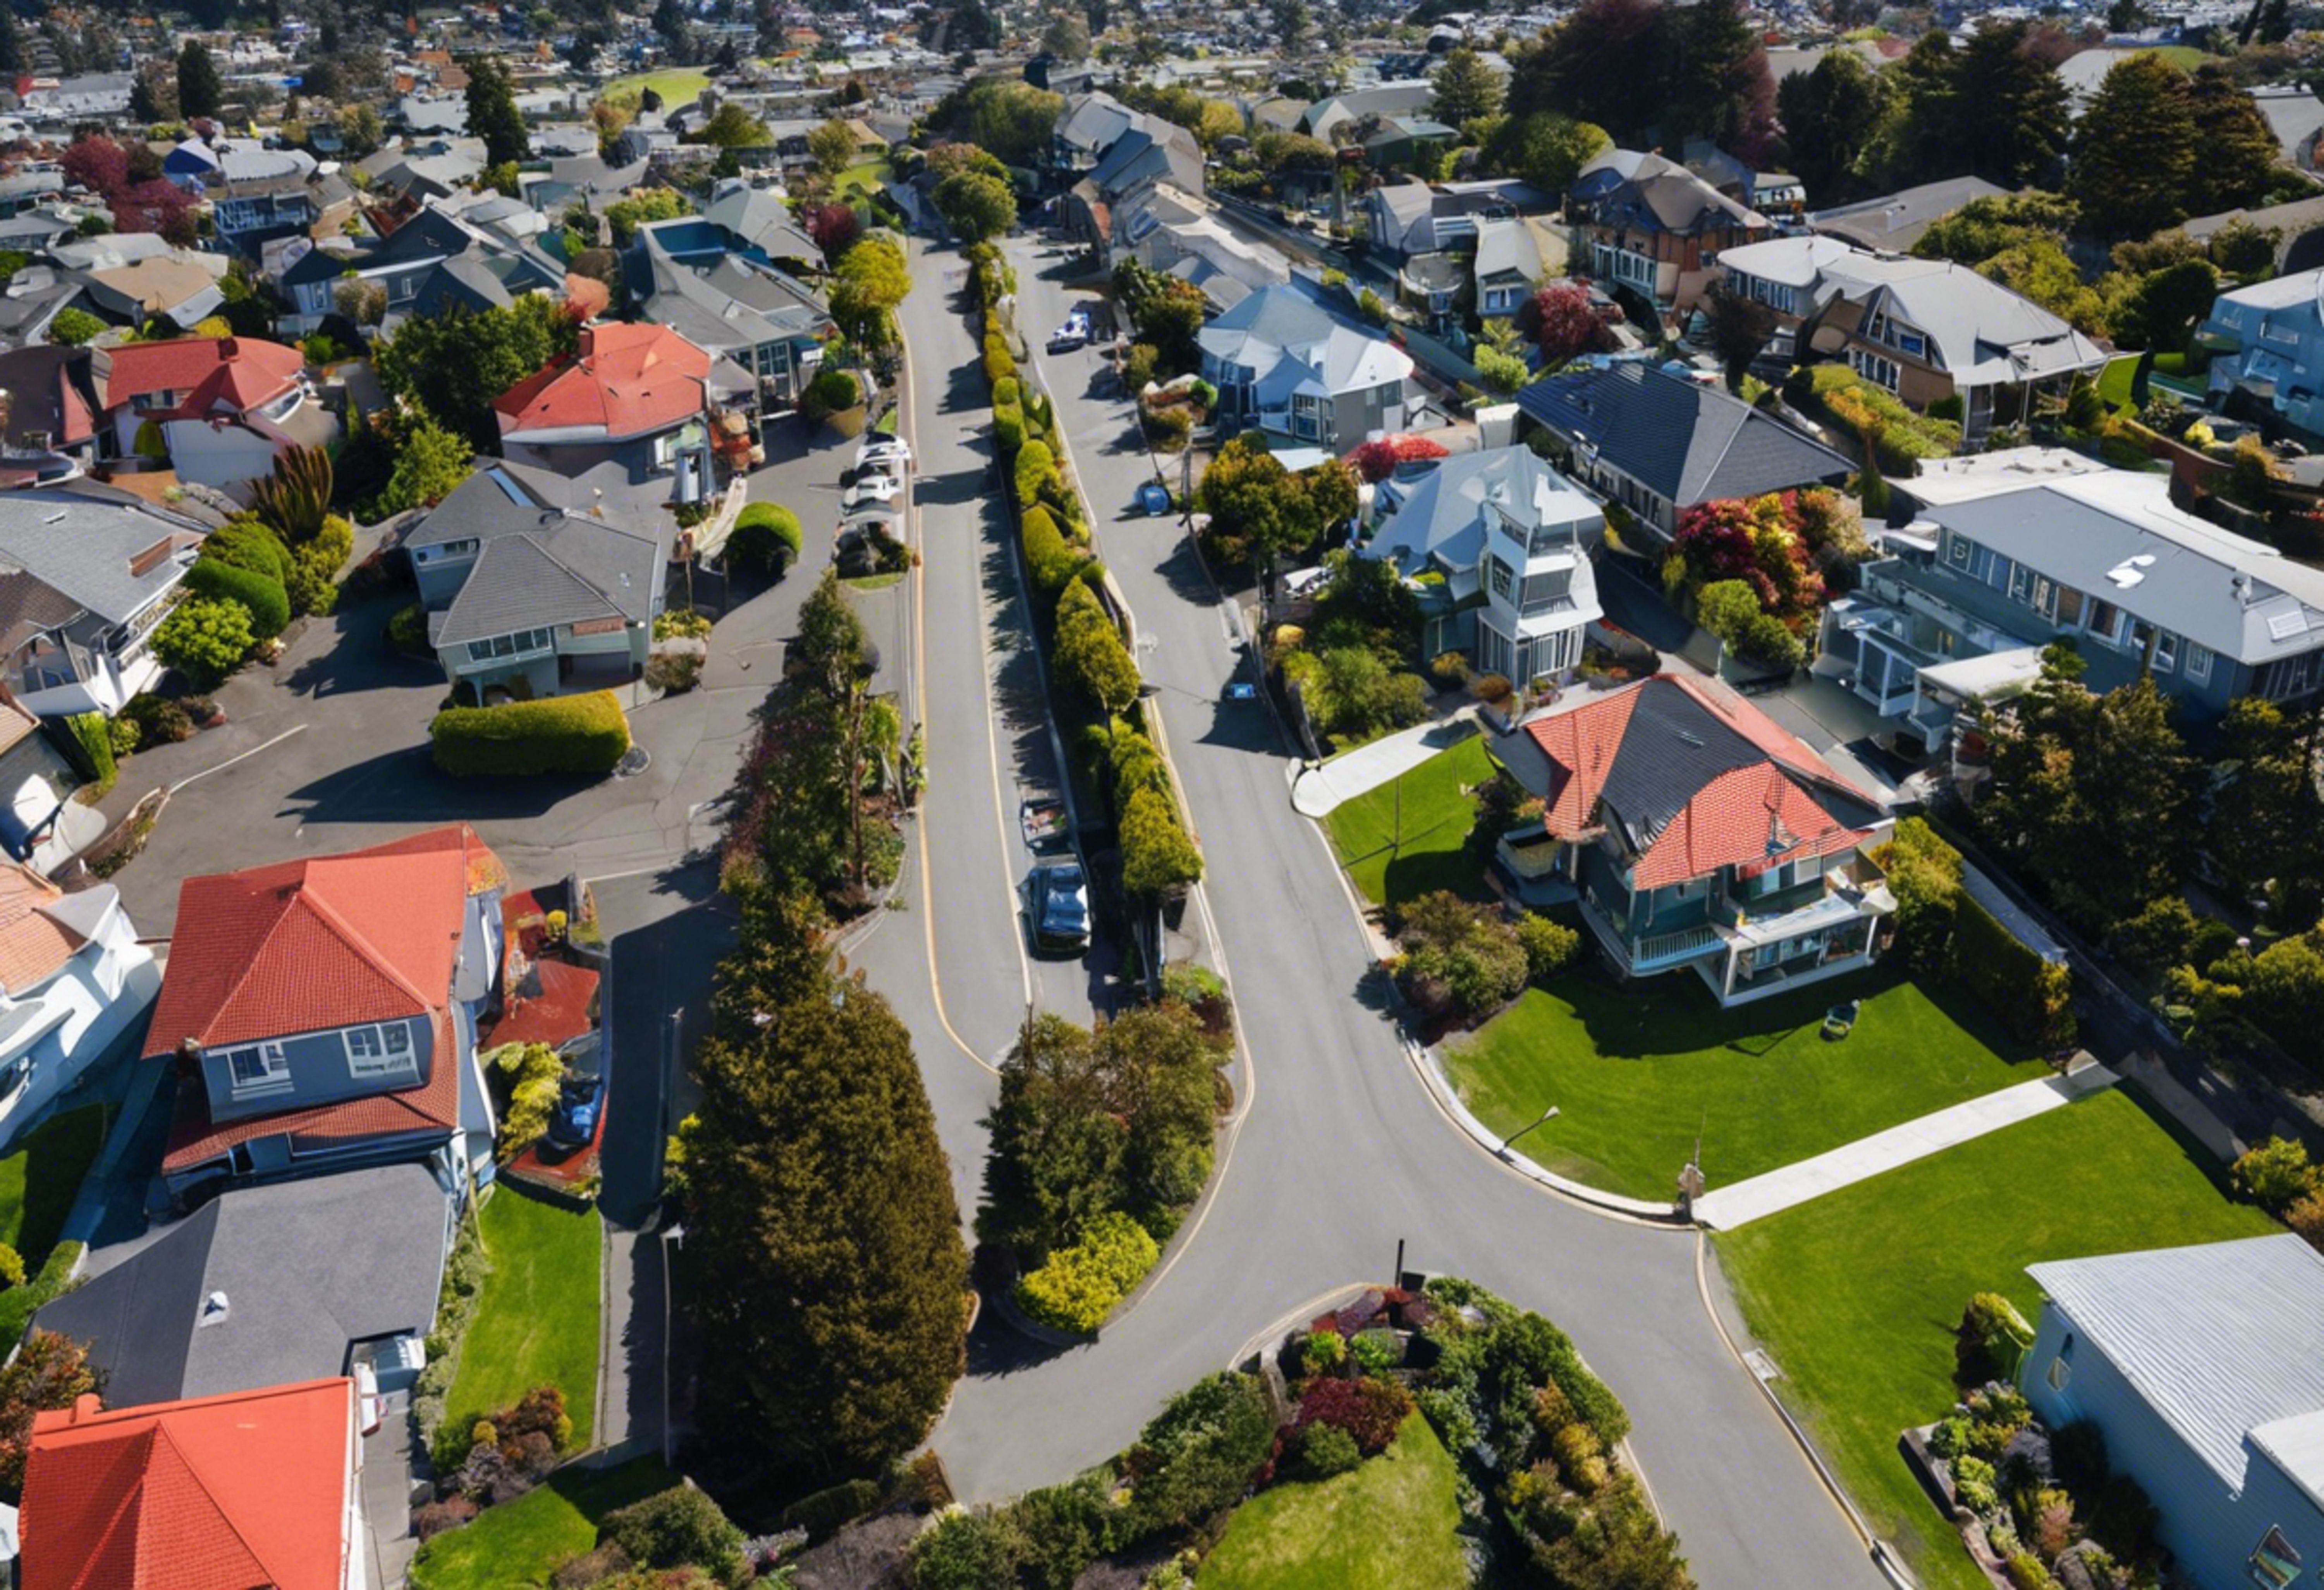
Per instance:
{"type": "Point", "coordinates": [834, 1277]}
{"type": "Point", "coordinates": [625, 216]}
{"type": "Point", "coordinates": [493, 115]}
{"type": "Point", "coordinates": [157, 205]}
{"type": "Point", "coordinates": [1277, 153]}
{"type": "Point", "coordinates": [1091, 659]}
{"type": "Point", "coordinates": [2010, 107]}
{"type": "Point", "coordinates": [1067, 37]}
{"type": "Point", "coordinates": [1056, 1145]}
{"type": "Point", "coordinates": [2164, 310]}
{"type": "Point", "coordinates": [1253, 501]}
{"type": "Point", "coordinates": [1564, 322]}
{"type": "Point", "coordinates": [1739, 329]}
{"type": "Point", "coordinates": [97, 164]}
{"type": "Point", "coordinates": [976, 206]}
{"type": "Point", "coordinates": [832, 146]}
{"type": "Point", "coordinates": [2238, 147]}
{"type": "Point", "coordinates": [2264, 825]}
{"type": "Point", "coordinates": [1288, 18]}
{"type": "Point", "coordinates": [1166, 311]}
{"type": "Point", "coordinates": [430, 462]}
{"type": "Point", "coordinates": [198, 90]}
{"type": "Point", "coordinates": [871, 279]}
{"type": "Point", "coordinates": [204, 638]}
{"type": "Point", "coordinates": [731, 126]}
{"type": "Point", "coordinates": [1832, 116]}
{"type": "Point", "coordinates": [73, 326]}
{"type": "Point", "coordinates": [1466, 89]}
{"type": "Point", "coordinates": [1157, 855]}
{"type": "Point", "coordinates": [453, 366]}
{"type": "Point", "coordinates": [1718, 83]}
{"type": "Point", "coordinates": [152, 97]}
{"type": "Point", "coordinates": [834, 227]}
{"type": "Point", "coordinates": [360, 130]}
{"type": "Point", "coordinates": [1602, 64]}
{"type": "Point", "coordinates": [12, 52]}
{"type": "Point", "coordinates": [49, 1374]}
{"type": "Point", "coordinates": [2135, 150]}
{"type": "Point", "coordinates": [1013, 120]}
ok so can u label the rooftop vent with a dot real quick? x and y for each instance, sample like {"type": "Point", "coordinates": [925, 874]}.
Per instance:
{"type": "Point", "coordinates": [2130, 571]}
{"type": "Point", "coordinates": [214, 1311]}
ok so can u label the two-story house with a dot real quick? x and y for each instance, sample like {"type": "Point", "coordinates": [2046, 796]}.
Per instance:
{"type": "Point", "coordinates": [85, 573]}
{"type": "Point", "coordinates": [1509, 539]}
{"type": "Point", "coordinates": [1659, 444]}
{"type": "Point", "coordinates": [403, 264]}
{"type": "Point", "coordinates": [2266, 343]}
{"type": "Point", "coordinates": [219, 409]}
{"type": "Point", "coordinates": [253, 211]}
{"type": "Point", "coordinates": [320, 1014]}
{"type": "Point", "coordinates": [638, 398]}
{"type": "Point", "coordinates": [1924, 329]}
{"type": "Point", "coordinates": [73, 978]}
{"type": "Point", "coordinates": [1169, 229]}
{"type": "Point", "coordinates": [2010, 551]}
{"type": "Point", "coordinates": [524, 596]}
{"type": "Point", "coordinates": [1694, 832]}
{"type": "Point", "coordinates": [1283, 362]}
{"type": "Point", "coordinates": [1649, 225]}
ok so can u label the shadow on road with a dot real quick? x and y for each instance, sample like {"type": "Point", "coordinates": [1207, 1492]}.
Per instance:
{"type": "Point", "coordinates": [403, 786]}
{"type": "Point", "coordinates": [995, 1351]}
{"type": "Point", "coordinates": [358, 657]}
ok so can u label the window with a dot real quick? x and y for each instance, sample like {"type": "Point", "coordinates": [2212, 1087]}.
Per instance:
{"type": "Point", "coordinates": [2069, 606]}
{"type": "Point", "coordinates": [2166, 651]}
{"type": "Point", "coordinates": [1880, 371]}
{"type": "Point", "coordinates": [378, 1051]}
{"type": "Point", "coordinates": [523, 643]}
{"type": "Point", "coordinates": [2061, 1367]}
{"type": "Point", "coordinates": [1503, 579]}
{"type": "Point", "coordinates": [1913, 344]}
{"type": "Point", "coordinates": [259, 1068]}
{"type": "Point", "coordinates": [2105, 618]}
{"type": "Point", "coordinates": [2274, 1564]}
{"type": "Point", "coordinates": [2199, 663]}
{"type": "Point", "coordinates": [1961, 550]}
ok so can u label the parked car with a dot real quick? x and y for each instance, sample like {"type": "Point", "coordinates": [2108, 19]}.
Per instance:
{"type": "Point", "coordinates": [580, 1099]}
{"type": "Point", "coordinates": [1074, 333]}
{"type": "Point", "coordinates": [887, 452]}
{"type": "Point", "coordinates": [1057, 904]}
{"type": "Point", "coordinates": [870, 489]}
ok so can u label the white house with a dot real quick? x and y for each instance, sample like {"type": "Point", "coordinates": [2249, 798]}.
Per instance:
{"type": "Point", "coordinates": [73, 978]}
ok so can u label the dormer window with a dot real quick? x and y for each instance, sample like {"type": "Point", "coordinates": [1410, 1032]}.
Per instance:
{"type": "Point", "coordinates": [258, 1070]}
{"type": "Point", "coordinates": [378, 1051]}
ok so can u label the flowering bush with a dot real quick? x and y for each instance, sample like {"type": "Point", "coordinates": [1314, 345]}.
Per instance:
{"type": "Point", "coordinates": [1371, 1411]}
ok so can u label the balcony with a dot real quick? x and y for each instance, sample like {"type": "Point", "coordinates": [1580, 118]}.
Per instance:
{"type": "Point", "coordinates": [1661, 951]}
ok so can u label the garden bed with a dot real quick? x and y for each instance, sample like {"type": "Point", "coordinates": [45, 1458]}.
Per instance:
{"type": "Point", "coordinates": [522, 1542]}
{"type": "Point", "coordinates": [1856, 1295]}
{"type": "Point", "coordinates": [1638, 1072]}
{"type": "Point", "coordinates": [38, 1184]}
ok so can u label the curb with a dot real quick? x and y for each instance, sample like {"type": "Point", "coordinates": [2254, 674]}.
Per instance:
{"type": "Point", "coordinates": [1024, 1325]}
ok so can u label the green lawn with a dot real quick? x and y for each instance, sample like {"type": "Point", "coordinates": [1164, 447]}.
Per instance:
{"type": "Point", "coordinates": [536, 1321]}
{"type": "Point", "coordinates": [677, 85]}
{"type": "Point", "coordinates": [1856, 1295]}
{"type": "Point", "coordinates": [522, 1542]}
{"type": "Point", "coordinates": [862, 179]}
{"type": "Point", "coordinates": [38, 1184]}
{"type": "Point", "coordinates": [1408, 836]}
{"type": "Point", "coordinates": [2185, 57]}
{"type": "Point", "coordinates": [1386, 1525]}
{"type": "Point", "coordinates": [2113, 382]}
{"type": "Point", "coordinates": [1637, 1073]}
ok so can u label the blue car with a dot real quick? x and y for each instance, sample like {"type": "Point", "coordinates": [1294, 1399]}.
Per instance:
{"type": "Point", "coordinates": [580, 1099]}
{"type": "Point", "coordinates": [1059, 903]}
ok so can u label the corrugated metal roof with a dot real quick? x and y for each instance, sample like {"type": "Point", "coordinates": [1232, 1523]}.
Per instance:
{"type": "Point", "coordinates": [2218, 1339]}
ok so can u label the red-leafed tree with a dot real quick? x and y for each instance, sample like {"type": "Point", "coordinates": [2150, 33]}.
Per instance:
{"type": "Point", "coordinates": [834, 227]}
{"type": "Point", "coordinates": [97, 164]}
{"type": "Point", "coordinates": [158, 206]}
{"type": "Point", "coordinates": [1375, 461]}
{"type": "Point", "coordinates": [1562, 322]}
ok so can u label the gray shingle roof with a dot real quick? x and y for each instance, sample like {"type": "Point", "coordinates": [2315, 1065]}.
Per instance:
{"type": "Point", "coordinates": [1896, 220]}
{"type": "Point", "coordinates": [308, 1267]}
{"type": "Point", "coordinates": [82, 544]}
{"type": "Point", "coordinates": [540, 566]}
{"type": "Point", "coordinates": [2217, 1339]}
{"type": "Point", "coordinates": [1681, 440]}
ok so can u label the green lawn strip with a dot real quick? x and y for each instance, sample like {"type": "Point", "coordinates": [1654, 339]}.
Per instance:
{"type": "Point", "coordinates": [1386, 1525]}
{"type": "Point", "coordinates": [522, 1542]}
{"type": "Point", "coordinates": [1408, 836]}
{"type": "Point", "coordinates": [537, 1319]}
{"type": "Point", "coordinates": [1635, 1072]}
{"type": "Point", "coordinates": [865, 178]}
{"type": "Point", "coordinates": [1856, 1295]}
{"type": "Point", "coordinates": [39, 1181]}
{"type": "Point", "coordinates": [676, 86]}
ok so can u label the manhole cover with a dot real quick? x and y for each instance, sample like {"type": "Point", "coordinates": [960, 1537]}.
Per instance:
{"type": "Point", "coordinates": [635, 761]}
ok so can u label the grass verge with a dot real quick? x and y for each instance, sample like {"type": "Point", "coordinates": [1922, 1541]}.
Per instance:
{"type": "Point", "coordinates": [38, 1184]}
{"type": "Point", "coordinates": [1386, 1525]}
{"type": "Point", "coordinates": [1409, 837]}
{"type": "Point", "coordinates": [1638, 1075]}
{"type": "Point", "coordinates": [1857, 1294]}
{"type": "Point", "coordinates": [537, 1317]}
{"type": "Point", "coordinates": [522, 1542]}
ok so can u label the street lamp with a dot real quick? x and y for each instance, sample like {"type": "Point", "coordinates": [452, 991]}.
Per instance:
{"type": "Point", "coordinates": [1545, 1117]}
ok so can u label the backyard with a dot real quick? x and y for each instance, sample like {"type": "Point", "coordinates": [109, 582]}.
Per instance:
{"type": "Point", "coordinates": [1409, 837]}
{"type": "Point", "coordinates": [522, 1542]}
{"type": "Point", "coordinates": [38, 1184]}
{"type": "Point", "coordinates": [537, 1317]}
{"type": "Point", "coordinates": [1386, 1525]}
{"type": "Point", "coordinates": [1856, 1295]}
{"type": "Point", "coordinates": [1638, 1073]}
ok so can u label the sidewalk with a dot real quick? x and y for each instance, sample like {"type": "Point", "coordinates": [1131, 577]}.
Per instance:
{"type": "Point", "coordinates": [1727, 1207]}
{"type": "Point", "coordinates": [1343, 778]}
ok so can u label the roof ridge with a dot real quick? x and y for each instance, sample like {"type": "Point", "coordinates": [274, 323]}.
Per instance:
{"type": "Point", "coordinates": [355, 939]}
{"type": "Point", "coordinates": [161, 1434]}
{"type": "Point", "coordinates": [561, 566]}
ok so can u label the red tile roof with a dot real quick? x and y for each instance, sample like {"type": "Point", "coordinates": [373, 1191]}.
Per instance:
{"type": "Point", "coordinates": [302, 946]}
{"type": "Point", "coordinates": [1749, 816]}
{"type": "Point", "coordinates": [33, 945]}
{"type": "Point", "coordinates": [433, 1107]}
{"type": "Point", "coordinates": [235, 373]}
{"type": "Point", "coordinates": [629, 380]}
{"type": "Point", "coordinates": [230, 1493]}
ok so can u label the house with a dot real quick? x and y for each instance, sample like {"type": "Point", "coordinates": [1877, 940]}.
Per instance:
{"type": "Point", "coordinates": [756, 222]}
{"type": "Point", "coordinates": [1140, 160]}
{"type": "Point", "coordinates": [1894, 222]}
{"type": "Point", "coordinates": [1405, 141]}
{"type": "Point", "coordinates": [1507, 264]}
{"type": "Point", "coordinates": [2266, 343]}
{"type": "Point", "coordinates": [1927, 330]}
{"type": "Point", "coordinates": [1282, 361]}
{"type": "Point", "coordinates": [1649, 225]}
{"type": "Point", "coordinates": [52, 427]}
{"type": "Point", "coordinates": [1509, 539]}
{"type": "Point", "coordinates": [639, 396]}
{"type": "Point", "coordinates": [40, 823]}
{"type": "Point", "coordinates": [1659, 444]}
{"type": "Point", "coordinates": [524, 596]}
{"type": "Point", "coordinates": [136, 277]}
{"type": "Point", "coordinates": [320, 1014]}
{"type": "Point", "coordinates": [219, 410]}
{"type": "Point", "coordinates": [403, 264]}
{"type": "Point", "coordinates": [767, 323]}
{"type": "Point", "coordinates": [2009, 551]}
{"type": "Point", "coordinates": [271, 1285]}
{"type": "Point", "coordinates": [2203, 1367]}
{"type": "Point", "coordinates": [1340, 116]}
{"type": "Point", "coordinates": [253, 210]}
{"type": "Point", "coordinates": [1693, 831]}
{"type": "Point", "coordinates": [227, 1493]}
{"type": "Point", "coordinates": [73, 978]}
{"type": "Point", "coordinates": [84, 575]}
{"type": "Point", "coordinates": [2297, 225]}
{"type": "Point", "coordinates": [31, 301]}
{"type": "Point", "coordinates": [1170, 230]}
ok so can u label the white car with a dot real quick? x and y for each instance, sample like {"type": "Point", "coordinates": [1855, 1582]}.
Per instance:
{"type": "Point", "coordinates": [1074, 333]}
{"type": "Point", "coordinates": [885, 452]}
{"type": "Point", "coordinates": [870, 489]}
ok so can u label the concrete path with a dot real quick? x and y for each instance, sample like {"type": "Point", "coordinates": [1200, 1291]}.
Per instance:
{"type": "Point", "coordinates": [1724, 1208]}
{"type": "Point", "coordinates": [1367, 767]}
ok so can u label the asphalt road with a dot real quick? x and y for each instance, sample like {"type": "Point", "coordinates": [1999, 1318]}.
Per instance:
{"type": "Point", "coordinates": [1337, 1154]}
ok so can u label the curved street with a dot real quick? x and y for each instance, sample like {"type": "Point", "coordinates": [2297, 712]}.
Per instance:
{"type": "Point", "coordinates": [1337, 1154]}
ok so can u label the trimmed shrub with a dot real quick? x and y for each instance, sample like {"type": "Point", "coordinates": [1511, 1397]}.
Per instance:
{"type": "Point", "coordinates": [1548, 945]}
{"type": "Point", "coordinates": [823, 1513]}
{"type": "Point", "coordinates": [1007, 392]}
{"type": "Point", "coordinates": [1080, 1285]}
{"type": "Point", "coordinates": [157, 721]}
{"type": "Point", "coordinates": [832, 392]}
{"type": "Point", "coordinates": [681, 1527]}
{"type": "Point", "coordinates": [562, 734]}
{"type": "Point", "coordinates": [2033, 997]}
{"type": "Point", "coordinates": [264, 599]}
{"type": "Point", "coordinates": [969, 1551]}
{"type": "Point", "coordinates": [1007, 429]}
{"type": "Point", "coordinates": [1199, 1452]}
{"type": "Point", "coordinates": [766, 540]}
{"type": "Point", "coordinates": [1048, 559]}
{"type": "Point", "coordinates": [1035, 466]}
{"type": "Point", "coordinates": [408, 630]}
{"type": "Point", "coordinates": [1326, 1450]}
{"type": "Point", "coordinates": [2275, 1175]}
{"type": "Point", "coordinates": [1369, 1410]}
{"type": "Point", "coordinates": [1157, 853]}
{"type": "Point", "coordinates": [204, 638]}
{"type": "Point", "coordinates": [245, 543]}
{"type": "Point", "coordinates": [123, 736]}
{"type": "Point", "coordinates": [1990, 1340]}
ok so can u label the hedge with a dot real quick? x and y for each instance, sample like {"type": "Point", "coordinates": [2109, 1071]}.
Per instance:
{"type": "Point", "coordinates": [822, 1514]}
{"type": "Point", "coordinates": [1080, 1285]}
{"type": "Point", "coordinates": [268, 604]}
{"type": "Point", "coordinates": [2033, 997]}
{"type": "Point", "coordinates": [1008, 427]}
{"type": "Point", "coordinates": [561, 734]}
